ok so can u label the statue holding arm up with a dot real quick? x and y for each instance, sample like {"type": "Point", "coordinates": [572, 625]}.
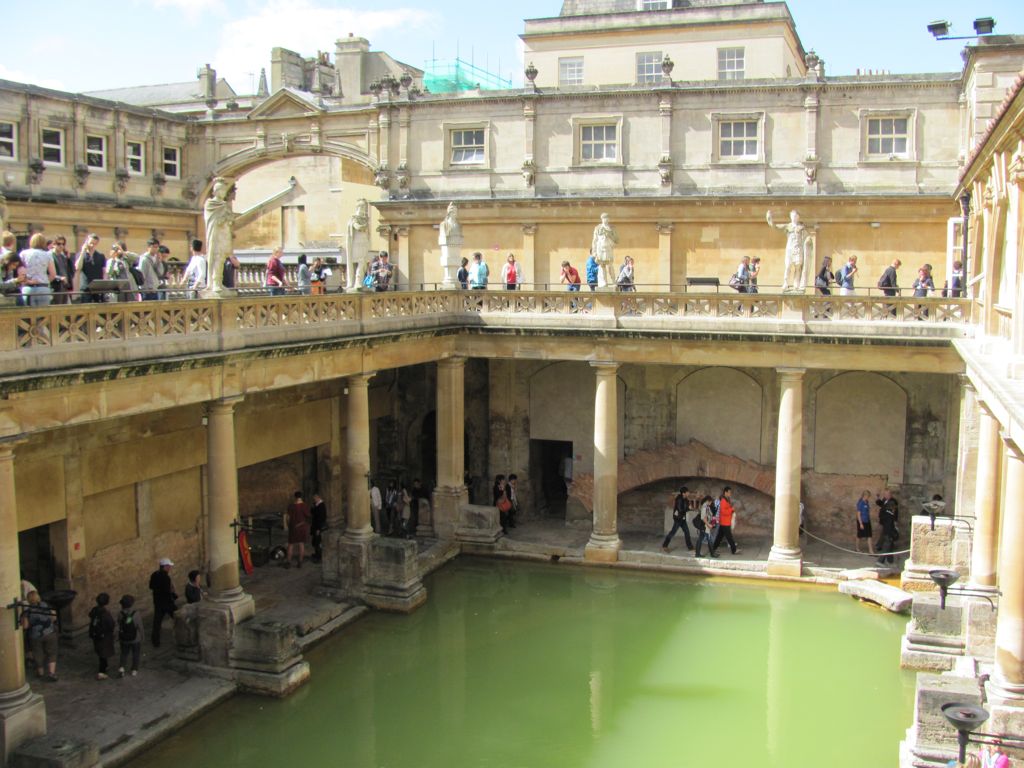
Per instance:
{"type": "Point", "coordinates": [798, 251]}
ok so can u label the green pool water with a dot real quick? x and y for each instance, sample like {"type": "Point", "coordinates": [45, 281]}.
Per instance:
{"type": "Point", "coordinates": [521, 664]}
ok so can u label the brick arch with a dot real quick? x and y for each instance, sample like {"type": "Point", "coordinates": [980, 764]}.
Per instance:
{"type": "Point", "coordinates": [694, 459]}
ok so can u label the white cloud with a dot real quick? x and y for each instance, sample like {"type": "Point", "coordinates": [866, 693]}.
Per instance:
{"type": "Point", "coordinates": [300, 26]}
{"type": "Point", "coordinates": [19, 76]}
{"type": "Point", "coordinates": [193, 10]}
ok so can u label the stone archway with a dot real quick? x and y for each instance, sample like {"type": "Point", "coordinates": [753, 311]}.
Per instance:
{"type": "Point", "coordinates": [694, 459]}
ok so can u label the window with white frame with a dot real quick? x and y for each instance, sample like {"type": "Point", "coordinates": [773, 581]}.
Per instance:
{"type": "Point", "coordinates": [730, 63]}
{"type": "Point", "coordinates": [96, 152]}
{"type": "Point", "coordinates": [648, 67]}
{"type": "Point", "coordinates": [888, 136]}
{"type": "Point", "coordinates": [599, 142]}
{"type": "Point", "coordinates": [135, 153]}
{"type": "Point", "coordinates": [8, 141]}
{"type": "Point", "coordinates": [738, 137]}
{"type": "Point", "coordinates": [52, 146]}
{"type": "Point", "coordinates": [653, 5]}
{"type": "Point", "coordinates": [570, 70]}
{"type": "Point", "coordinates": [172, 162]}
{"type": "Point", "coordinates": [467, 146]}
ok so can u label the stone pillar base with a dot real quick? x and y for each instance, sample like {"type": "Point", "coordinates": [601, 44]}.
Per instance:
{"type": "Point", "coordinates": [979, 626]}
{"type": "Point", "coordinates": [265, 658]}
{"type": "Point", "coordinates": [56, 752]}
{"type": "Point", "coordinates": [22, 718]}
{"type": "Point", "coordinates": [223, 293]}
{"type": "Point", "coordinates": [478, 524]}
{"type": "Point", "coordinates": [1003, 693]}
{"type": "Point", "coordinates": [948, 546]}
{"type": "Point", "coordinates": [934, 637]}
{"type": "Point", "coordinates": [344, 561]}
{"type": "Point", "coordinates": [1007, 717]}
{"type": "Point", "coordinates": [602, 548]}
{"type": "Point", "coordinates": [931, 740]}
{"type": "Point", "coordinates": [784, 562]}
{"type": "Point", "coordinates": [217, 622]}
{"type": "Point", "coordinates": [393, 576]}
{"type": "Point", "coordinates": [447, 502]}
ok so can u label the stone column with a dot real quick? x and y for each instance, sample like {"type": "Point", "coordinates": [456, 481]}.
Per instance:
{"type": "Point", "coordinates": [222, 480]}
{"type": "Point", "coordinates": [604, 541]}
{"type": "Point", "coordinates": [529, 259]}
{"type": "Point", "coordinates": [358, 433]}
{"type": "Point", "coordinates": [986, 502]}
{"type": "Point", "coordinates": [450, 492]}
{"type": "Point", "coordinates": [784, 558]}
{"type": "Point", "coordinates": [22, 713]}
{"type": "Point", "coordinates": [664, 275]}
{"type": "Point", "coordinates": [1008, 679]}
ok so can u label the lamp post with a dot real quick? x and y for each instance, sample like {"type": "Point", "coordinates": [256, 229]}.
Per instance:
{"type": "Point", "coordinates": [944, 579]}
{"type": "Point", "coordinates": [982, 26]}
{"type": "Point", "coordinates": [968, 718]}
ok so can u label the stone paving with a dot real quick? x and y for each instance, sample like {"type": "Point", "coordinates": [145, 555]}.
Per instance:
{"type": "Point", "coordinates": [125, 716]}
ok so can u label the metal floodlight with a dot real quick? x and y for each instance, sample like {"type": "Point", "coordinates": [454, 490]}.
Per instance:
{"type": "Point", "coordinates": [940, 28]}
{"type": "Point", "coordinates": [984, 25]}
{"type": "Point", "coordinates": [943, 579]}
{"type": "Point", "coordinates": [965, 718]}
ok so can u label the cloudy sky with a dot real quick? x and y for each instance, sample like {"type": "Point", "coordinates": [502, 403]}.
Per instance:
{"type": "Point", "coordinates": [111, 43]}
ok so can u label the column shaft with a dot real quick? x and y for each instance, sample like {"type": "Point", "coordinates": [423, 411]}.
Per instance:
{"type": "Point", "coordinates": [451, 422]}
{"type": "Point", "coordinates": [1009, 656]}
{"type": "Point", "coordinates": [358, 434]}
{"type": "Point", "coordinates": [12, 658]}
{"type": "Point", "coordinates": [222, 479]}
{"type": "Point", "coordinates": [604, 541]}
{"type": "Point", "coordinates": [986, 502]}
{"type": "Point", "coordinates": [785, 552]}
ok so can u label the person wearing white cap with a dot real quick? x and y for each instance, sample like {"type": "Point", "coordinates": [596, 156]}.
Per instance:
{"type": "Point", "coordinates": [163, 597]}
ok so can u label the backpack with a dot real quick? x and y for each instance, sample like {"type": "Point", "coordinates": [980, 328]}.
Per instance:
{"type": "Point", "coordinates": [95, 624]}
{"type": "Point", "coordinates": [368, 281]}
{"type": "Point", "coordinates": [128, 630]}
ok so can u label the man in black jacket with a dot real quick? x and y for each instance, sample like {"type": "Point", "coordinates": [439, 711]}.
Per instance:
{"type": "Point", "coordinates": [163, 597]}
{"type": "Point", "coordinates": [682, 505]}
{"type": "Point", "coordinates": [888, 516]}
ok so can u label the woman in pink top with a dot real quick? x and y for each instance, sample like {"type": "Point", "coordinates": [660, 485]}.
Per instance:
{"type": "Point", "coordinates": [512, 274]}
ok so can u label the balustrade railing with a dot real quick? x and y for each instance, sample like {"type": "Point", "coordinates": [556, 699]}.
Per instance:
{"type": "Point", "coordinates": [82, 334]}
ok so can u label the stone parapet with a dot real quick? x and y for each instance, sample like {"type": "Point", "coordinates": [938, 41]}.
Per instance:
{"type": "Point", "coordinates": [931, 740]}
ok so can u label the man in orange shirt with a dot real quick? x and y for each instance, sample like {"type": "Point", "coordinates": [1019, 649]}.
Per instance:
{"type": "Point", "coordinates": [725, 514]}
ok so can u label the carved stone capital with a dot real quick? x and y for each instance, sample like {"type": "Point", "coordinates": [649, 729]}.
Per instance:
{"type": "Point", "coordinates": [665, 227]}
{"type": "Point", "coordinates": [529, 229]}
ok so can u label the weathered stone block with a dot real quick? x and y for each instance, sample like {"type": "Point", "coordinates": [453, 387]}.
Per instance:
{"type": "Point", "coordinates": [22, 718]}
{"type": "Point", "coordinates": [979, 628]}
{"type": "Point", "coordinates": [928, 618]}
{"type": "Point", "coordinates": [393, 577]}
{"type": "Point", "coordinates": [265, 646]}
{"type": "Point", "coordinates": [186, 632]}
{"type": "Point", "coordinates": [478, 524]}
{"type": "Point", "coordinates": [933, 691]}
{"type": "Point", "coordinates": [447, 502]}
{"type": "Point", "coordinates": [889, 597]}
{"type": "Point", "coordinates": [948, 546]}
{"type": "Point", "coordinates": [55, 752]}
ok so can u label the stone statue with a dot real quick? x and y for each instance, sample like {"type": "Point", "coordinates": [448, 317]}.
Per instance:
{"type": "Point", "coordinates": [449, 237]}
{"type": "Point", "coordinates": [798, 251]}
{"type": "Point", "coordinates": [357, 244]}
{"type": "Point", "coordinates": [603, 247]}
{"type": "Point", "coordinates": [220, 221]}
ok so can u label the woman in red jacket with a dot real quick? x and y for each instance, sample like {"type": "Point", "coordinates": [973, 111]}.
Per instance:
{"type": "Point", "coordinates": [725, 513]}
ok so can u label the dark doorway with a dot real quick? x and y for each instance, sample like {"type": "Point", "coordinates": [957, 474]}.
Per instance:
{"type": "Point", "coordinates": [428, 450]}
{"type": "Point", "coordinates": [550, 465]}
{"type": "Point", "coordinates": [36, 557]}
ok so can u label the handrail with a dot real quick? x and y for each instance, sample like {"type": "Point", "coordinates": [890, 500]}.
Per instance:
{"type": "Point", "coordinates": [47, 338]}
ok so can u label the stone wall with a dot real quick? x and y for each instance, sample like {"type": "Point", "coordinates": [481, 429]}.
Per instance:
{"type": "Point", "coordinates": [897, 430]}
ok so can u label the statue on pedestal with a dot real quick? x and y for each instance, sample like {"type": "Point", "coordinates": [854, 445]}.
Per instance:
{"type": "Point", "coordinates": [603, 247]}
{"type": "Point", "coordinates": [357, 244]}
{"type": "Point", "coordinates": [220, 221]}
{"type": "Point", "coordinates": [449, 237]}
{"type": "Point", "coordinates": [798, 251]}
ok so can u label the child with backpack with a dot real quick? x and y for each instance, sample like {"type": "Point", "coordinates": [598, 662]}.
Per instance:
{"type": "Point", "coordinates": [129, 633]}
{"type": "Point", "coordinates": [101, 632]}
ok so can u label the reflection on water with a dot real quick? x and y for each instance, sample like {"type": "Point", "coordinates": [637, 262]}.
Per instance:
{"type": "Point", "coordinates": [518, 664]}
